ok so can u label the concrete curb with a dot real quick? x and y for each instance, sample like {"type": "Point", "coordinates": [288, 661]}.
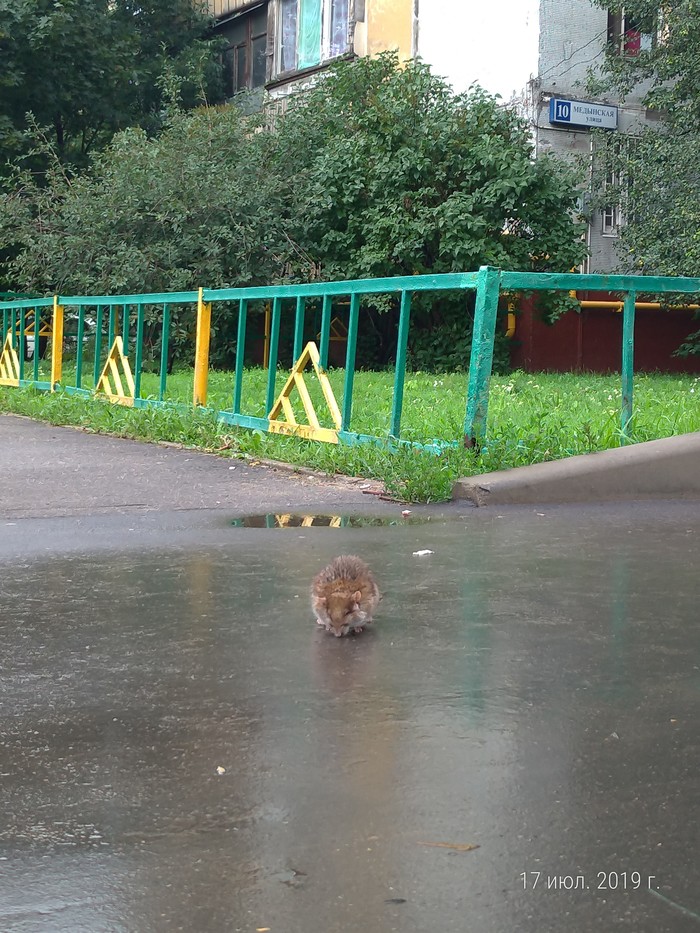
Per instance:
{"type": "Point", "coordinates": [669, 468]}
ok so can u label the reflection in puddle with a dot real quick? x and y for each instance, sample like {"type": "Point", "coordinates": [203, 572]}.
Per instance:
{"type": "Point", "coordinates": [272, 520]}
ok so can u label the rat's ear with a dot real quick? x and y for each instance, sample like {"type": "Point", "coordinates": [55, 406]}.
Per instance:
{"type": "Point", "coordinates": [356, 597]}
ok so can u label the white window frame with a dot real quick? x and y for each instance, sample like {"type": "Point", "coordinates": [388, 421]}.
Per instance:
{"type": "Point", "coordinates": [611, 214]}
{"type": "Point", "coordinates": [611, 221]}
{"type": "Point", "coordinates": [648, 40]}
{"type": "Point", "coordinates": [326, 13]}
{"type": "Point", "coordinates": [325, 50]}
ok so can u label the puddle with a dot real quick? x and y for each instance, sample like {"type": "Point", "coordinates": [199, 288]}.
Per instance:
{"type": "Point", "coordinates": [272, 520]}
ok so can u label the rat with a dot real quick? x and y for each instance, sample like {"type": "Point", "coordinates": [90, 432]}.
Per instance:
{"type": "Point", "coordinates": [344, 595]}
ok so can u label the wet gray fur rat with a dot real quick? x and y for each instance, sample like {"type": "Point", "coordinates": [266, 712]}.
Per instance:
{"type": "Point", "coordinates": [344, 595]}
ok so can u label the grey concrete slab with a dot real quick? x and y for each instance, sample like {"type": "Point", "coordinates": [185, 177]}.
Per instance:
{"type": "Point", "coordinates": [181, 748]}
{"type": "Point", "coordinates": [664, 469]}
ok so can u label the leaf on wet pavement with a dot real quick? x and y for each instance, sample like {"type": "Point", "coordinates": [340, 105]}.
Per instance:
{"type": "Point", "coordinates": [457, 846]}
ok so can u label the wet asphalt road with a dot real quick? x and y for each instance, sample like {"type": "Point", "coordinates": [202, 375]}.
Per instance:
{"type": "Point", "coordinates": [182, 749]}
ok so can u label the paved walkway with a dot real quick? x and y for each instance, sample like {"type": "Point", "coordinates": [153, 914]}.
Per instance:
{"type": "Point", "coordinates": [512, 747]}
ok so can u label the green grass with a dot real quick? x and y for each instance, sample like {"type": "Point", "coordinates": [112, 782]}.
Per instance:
{"type": "Point", "coordinates": [532, 417]}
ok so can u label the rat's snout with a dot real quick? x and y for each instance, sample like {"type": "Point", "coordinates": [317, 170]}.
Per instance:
{"type": "Point", "coordinates": [338, 632]}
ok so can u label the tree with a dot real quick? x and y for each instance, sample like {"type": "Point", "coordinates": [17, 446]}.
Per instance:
{"type": "Point", "coordinates": [669, 64]}
{"type": "Point", "coordinates": [389, 173]}
{"type": "Point", "coordinates": [379, 170]}
{"type": "Point", "coordinates": [84, 69]}
{"type": "Point", "coordinates": [655, 176]}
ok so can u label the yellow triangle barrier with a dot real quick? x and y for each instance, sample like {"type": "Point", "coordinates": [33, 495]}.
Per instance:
{"type": "Point", "coordinates": [313, 430]}
{"type": "Point", "coordinates": [9, 364]}
{"type": "Point", "coordinates": [110, 381]}
{"type": "Point", "coordinates": [308, 521]}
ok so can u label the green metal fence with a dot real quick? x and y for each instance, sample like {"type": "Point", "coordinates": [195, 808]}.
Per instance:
{"type": "Point", "coordinates": [96, 321]}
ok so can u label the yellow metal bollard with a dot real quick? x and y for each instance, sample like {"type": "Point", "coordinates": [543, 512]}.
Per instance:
{"type": "Point", "coordinates": [56, 344]}
{"type": "Point", "coordinates": [201, 355]}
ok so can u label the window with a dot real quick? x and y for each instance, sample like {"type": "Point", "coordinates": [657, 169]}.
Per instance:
{"type": "Point", "coordinates": [244, 59]}
{"type": "Point", "coordinates": [630, 36]}
{"type": "Point", "coordinates": [618, 181]}
{"type": "Point", "coordinates": [287, 57]}
{"type": "Point", "coordinates": [310, 32]}
{"type": "Point", "coordinates": [338, 32]}
{"type": "Point", "coordinates": [612, 220]}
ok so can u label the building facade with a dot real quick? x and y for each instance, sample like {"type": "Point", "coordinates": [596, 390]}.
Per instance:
{"type": "Point", "coordinates": [574, 36]}
{"type": "Point", "coordinates": [536, 54]}
{"type": "Point", "coordinates": [279, 45]}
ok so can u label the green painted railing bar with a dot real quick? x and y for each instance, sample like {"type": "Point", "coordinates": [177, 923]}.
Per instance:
{"type": "Point", "coordinates": [452, 281]}
{"type": "Point", "coordinates": [35, 359]}
{"type": "Point", "coordinates": [240, 355]}
{"type": "Point", "coordinates": [28, 303]}
{"type": "Point", "coordinates": [153, 298]}
{"type": "Point", "coordinates": [350, 354]}
{"type": "Point", "coordinates": [299, 327]}
{"type": "Point", "coordinates": [79, 348]}
{"type": "Point", "coordinates": [627, 365]}
{"type": "Point", "coordinates": [112, 330]}
{"type": "Point", "coordinates": [99, 323]}
{"type": "Point", "coordinates": [400, 369]}
{"type": "Point", "coordinates": [355, 439]}
{"type": "Point", "coordinates": [327, 310]}
{"type": "Point", "coordinates": [481, 360]}
{"type": "Point", "coordinates": [138, 355]}
{"type": "Point", "coordinates": [274, 349]}
{"type": "Point", "coordinates": [566, 281]}
{"type": "Point", "coordinates": [164, 341]}
{"type": "Point", "coordinates": [126, 320]}
{"type": "Point", "coordinates": [243, 421]}
{"type": "Point", "coordinates": [22, 341]}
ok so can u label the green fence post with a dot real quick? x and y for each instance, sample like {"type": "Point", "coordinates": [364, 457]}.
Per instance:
{"type": "Point", "coordinates": [79, 348]}
{"type": "Point", "coordinates": [240, 354]}
{"type": "Point", "coordinates": [99, 323]}
{"type": "Point", "coordinates": [400, 373]}
{"type": "Point", "coordinates": [164, 340]}
{"type": "Point", "coordinates": [350, 361]}
{"type": "Point", "coordinates": [125, 328]}
{"type": "Point", "coordinates": [325, 330]}
{"type": "Point", "coordinates": [272, 358]}
{"type": "Point", "coordinates": [112, 329]}
{"type": "Point", "coordinates": [299, 328]}
{"type": "Point", "coordinates": [481, 359]}
{"type": "Point", "coordinates": [627, 366]}
{"type": "Point", "coordinates": [37, 328]}
{"type": "Point", "coordinates": [138, 356]}
{"type": "Point", "coordinates": [22, 342]}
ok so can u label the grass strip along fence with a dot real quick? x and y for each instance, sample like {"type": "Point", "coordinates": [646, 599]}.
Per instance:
{"type": "Point", "coordinates": [113, 328]}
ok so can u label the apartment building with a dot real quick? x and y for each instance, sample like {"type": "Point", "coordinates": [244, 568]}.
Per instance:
{"type": "Point", "coordinates": [280, 45]}
{"type": "Point", "coordinates": [574, 35]}
{"type": "Point", "coordinates": [536, 54]}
